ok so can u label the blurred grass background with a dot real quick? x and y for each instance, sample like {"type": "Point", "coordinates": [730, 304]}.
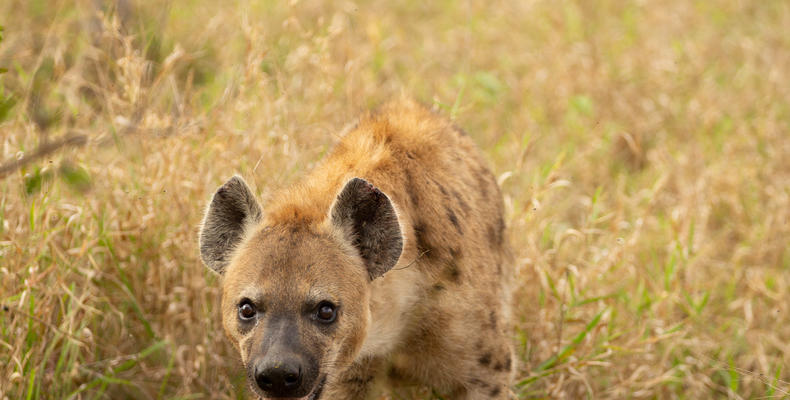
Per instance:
{"type": "Point", "coordinates": [643, 149]}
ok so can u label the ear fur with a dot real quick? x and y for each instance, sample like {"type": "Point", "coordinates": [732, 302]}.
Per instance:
{"type": "Point", "coordinates": [232, 208]}
{"type": "Point", "coordinates": [369, 221]}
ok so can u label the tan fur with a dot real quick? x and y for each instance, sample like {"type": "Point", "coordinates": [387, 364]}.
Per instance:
{"type": "Point", "coordinates": [439, 317]}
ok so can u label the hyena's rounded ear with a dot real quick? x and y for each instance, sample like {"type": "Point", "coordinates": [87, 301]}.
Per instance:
{"type": "Point", "coordinates": [368, 219]}
{"type": "Point", "coordinates": [231, 210]}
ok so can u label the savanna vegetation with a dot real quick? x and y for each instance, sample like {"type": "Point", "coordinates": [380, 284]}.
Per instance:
{"type": "Point", "coordinates": [643, 148]}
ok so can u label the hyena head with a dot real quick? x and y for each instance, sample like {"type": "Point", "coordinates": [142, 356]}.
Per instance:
{"type": "Point", "coordinates": [295, 295]}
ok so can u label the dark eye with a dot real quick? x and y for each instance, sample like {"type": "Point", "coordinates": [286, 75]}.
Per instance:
{"type": "Point", "coordinates": [326, 312]}
{"type": "Point", "coordinates": [246, 310]}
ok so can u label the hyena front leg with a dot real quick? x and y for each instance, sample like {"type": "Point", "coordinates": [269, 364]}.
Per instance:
{"type": "Point", "coordinates": [355, 383]}
{"type": "Point", "coordinates": [480, 390]}
{"type": "Point", "coordinates": [489, 387]}
{"type": "Point", "coordinates": [490, 373]}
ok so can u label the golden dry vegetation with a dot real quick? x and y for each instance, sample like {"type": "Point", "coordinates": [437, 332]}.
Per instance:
{"type": "Point", "coordinates": [643, 148]}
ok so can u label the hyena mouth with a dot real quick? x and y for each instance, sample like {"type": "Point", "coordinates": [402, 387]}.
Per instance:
{"type": "Point", "coordinates": [318, 389]}
{"type": "Point", "coordinates": [314, 395]}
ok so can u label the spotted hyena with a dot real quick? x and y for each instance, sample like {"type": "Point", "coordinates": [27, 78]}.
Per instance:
{"type": "Point", "coordinates": [387, 264]}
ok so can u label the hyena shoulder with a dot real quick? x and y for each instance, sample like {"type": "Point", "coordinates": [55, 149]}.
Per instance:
{"type": "Point", "coordinates": [431, 169]}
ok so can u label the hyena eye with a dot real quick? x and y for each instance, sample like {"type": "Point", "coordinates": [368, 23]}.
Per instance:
{"type": "Point", "coordinates": [326, 312]}
{"type": "Point", "coordinates": [246, 310]}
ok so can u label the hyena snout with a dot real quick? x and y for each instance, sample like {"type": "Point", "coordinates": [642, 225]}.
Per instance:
{"type": "Point", "coordinates": [283, 376]}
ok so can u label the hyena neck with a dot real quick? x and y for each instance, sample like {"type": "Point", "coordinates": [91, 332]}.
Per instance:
{"type": "Point", "coordinates": [392, 296]}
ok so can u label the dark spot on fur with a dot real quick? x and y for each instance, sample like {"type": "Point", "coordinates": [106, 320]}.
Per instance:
{"type": "Point", "coordinates": [413, 196]}
{"type": "Point", "coordinates": [492, 239]}
{"type": "Point", "coordinates": [478, 382]}
{"type": "Point", "coordinates": [359, 380]}
{"type": "Point", "coordinates": [453, 272]}
{"type": "Point", "coordinates": [395, 375]}
{"type": "Point", "coordinates": [496, 233]}
{"type": "Point", "coordinates": [461, 203]}
{"type": "Point", "coordinates": [495, 391]}
{"type": "Point", "coordinates": [498, 366]}
{"type": "Point", "coordinates": [482, 184]}
{"type": "Point", "coordinates": [492, 319]}
{"type": "Point", "coordinates": [442, 189]}
{"type": "Point", "coordinates": [485, 359]}
{"type": "Point", "coordinates": [424, 248]}
{"type": "Point", "coordinates": [438, 287]}
{"type": "Point", "coordinates": [508, 362]}
{"type": "Point", "coordinates": [460, 131]}
{"type": "Point", "coordinates": [454, 220]}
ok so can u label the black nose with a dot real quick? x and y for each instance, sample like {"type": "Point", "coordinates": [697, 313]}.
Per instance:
{"type": "Point", "coordinates": [280, 378]}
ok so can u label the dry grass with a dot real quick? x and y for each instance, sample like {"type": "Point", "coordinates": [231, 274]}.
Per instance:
{"type": "Point", "coordinates": [643, 149]}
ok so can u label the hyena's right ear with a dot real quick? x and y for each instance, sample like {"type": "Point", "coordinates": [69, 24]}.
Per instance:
{"type": "Point", "coordinates": [232, 209]}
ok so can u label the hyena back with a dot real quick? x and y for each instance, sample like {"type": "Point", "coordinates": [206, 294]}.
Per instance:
{"type": "Point", "coordinates": [387, 263]}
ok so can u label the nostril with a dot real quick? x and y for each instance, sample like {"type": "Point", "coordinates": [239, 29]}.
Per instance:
{"type": "Point", "coordinates": [291, 379]}
{"type": "Point", "coordinates": [264, 381]}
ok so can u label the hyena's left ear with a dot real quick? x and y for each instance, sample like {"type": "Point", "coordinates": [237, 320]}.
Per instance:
{"type": "Point", "coordinates": [232, 208]}
{"type": "Point", "coordinates": [368, 219]}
